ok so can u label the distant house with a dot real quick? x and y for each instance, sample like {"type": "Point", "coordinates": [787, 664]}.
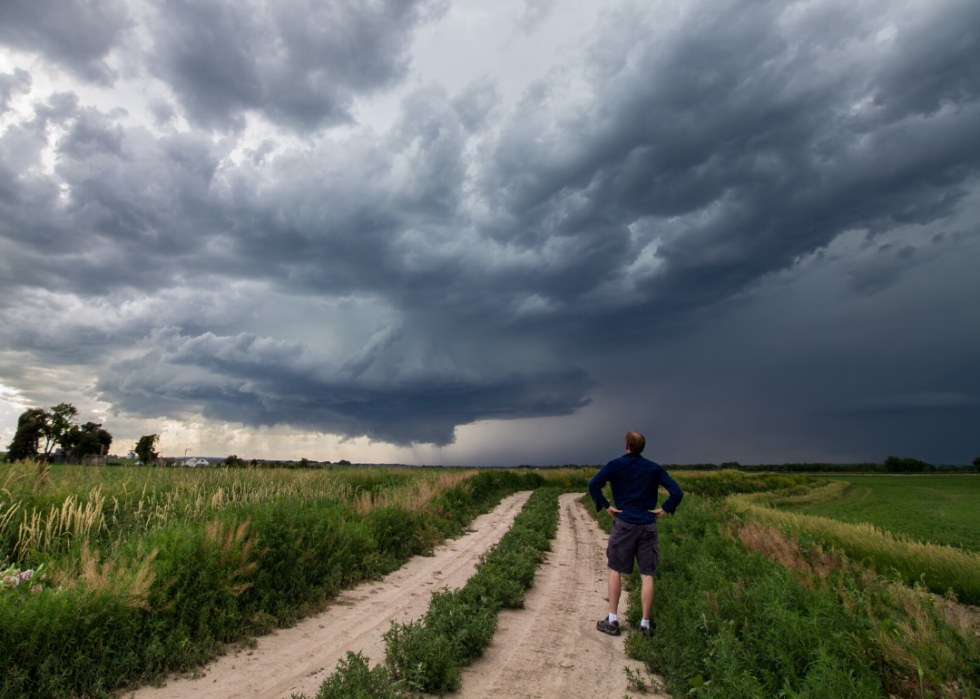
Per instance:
{"type": "Point", "coordinates": [195, 462]}
{"type": "Point", "coordinates": [131, 455]}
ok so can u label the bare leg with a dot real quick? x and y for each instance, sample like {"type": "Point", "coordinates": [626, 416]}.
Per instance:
{"type": "Point", "coordinates": [615, 588]}
{"type": "Point", "coordinates": [646, 594]}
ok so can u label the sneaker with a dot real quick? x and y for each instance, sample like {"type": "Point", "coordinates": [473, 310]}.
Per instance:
{"type": "Point", "coordinates": [646, 631]}
{"type": "Point", "coordinates": [609, 627]}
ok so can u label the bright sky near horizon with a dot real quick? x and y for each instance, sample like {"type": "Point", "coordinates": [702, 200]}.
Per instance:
{"type": "Point", "coordinates": [495, 231]}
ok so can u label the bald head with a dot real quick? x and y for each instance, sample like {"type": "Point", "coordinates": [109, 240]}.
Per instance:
{"type": "Point", "coordinates": [635, 442]}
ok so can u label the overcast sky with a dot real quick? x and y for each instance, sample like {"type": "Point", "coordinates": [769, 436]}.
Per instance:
{"type": "Point", "coordinates": [495, 231]}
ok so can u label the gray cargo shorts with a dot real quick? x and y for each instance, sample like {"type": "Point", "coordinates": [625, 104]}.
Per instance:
{"type": "Point", "coordinates": [629, 541]}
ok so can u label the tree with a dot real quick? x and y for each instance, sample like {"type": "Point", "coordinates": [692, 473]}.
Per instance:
{"type": "Point", "coordinates": [145, 448]}
{"type": "Point", "coordinates": [87, 440]}
{"type": "Point", "coordinates": [31, 427]}
{"type": "Point", "coordinates": [894, 464]}
{"type": "Point", "coordinates": [60, 423]}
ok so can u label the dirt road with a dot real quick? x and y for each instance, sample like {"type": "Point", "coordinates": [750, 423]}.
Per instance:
{"type": "Point", "coordinates": [549, 649]}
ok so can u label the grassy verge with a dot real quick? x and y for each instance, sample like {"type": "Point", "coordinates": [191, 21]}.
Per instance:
{"type": "Point", "coordinates": [167, 599]}
{"type": "Point", "coordinates": [938, 508]}
{"type": "Point", "coordinates": [939, 568]}
{"type": "Point", "coordinates": [746, 611]}
{"type": "Point", "coordinates": [426, 655]}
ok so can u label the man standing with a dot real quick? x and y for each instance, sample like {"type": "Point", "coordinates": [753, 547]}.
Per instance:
{"type": "Point", "coordinates": [635, 482]}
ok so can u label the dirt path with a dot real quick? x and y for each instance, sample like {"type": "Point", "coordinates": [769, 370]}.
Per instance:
{"type": "Point", "coordinates": [551, 649]}
{"type": "Point", "coordinates": [297, 660]}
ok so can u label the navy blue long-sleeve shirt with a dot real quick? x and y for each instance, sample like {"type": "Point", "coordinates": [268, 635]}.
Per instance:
{"type": "Point", "coordinates": [635, 482]}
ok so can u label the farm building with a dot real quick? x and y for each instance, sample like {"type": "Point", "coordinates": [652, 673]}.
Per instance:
{"type": "Point", "coordinates": [195, 462]}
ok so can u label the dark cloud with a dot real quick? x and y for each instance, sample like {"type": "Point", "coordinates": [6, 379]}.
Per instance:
{"type": "Point", "coordinates": [886, 267]}
{"type": "Point", "coordinates": [383, 394]}
{"type": "Point", "coordinates": [510, 244]}
{"type": "Point", "coordinates": [76, 36]}
{"type": "Point", "coordinates": [740, 148]}
{"type": "Point", "coordinates": [298, 62]}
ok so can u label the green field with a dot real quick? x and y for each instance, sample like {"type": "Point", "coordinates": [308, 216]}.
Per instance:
{"type": "Point", "coordinates": [941, 509]}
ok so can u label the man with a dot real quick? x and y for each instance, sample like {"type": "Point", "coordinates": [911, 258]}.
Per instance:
{"type": "Point", "coordinates": [635, 482]}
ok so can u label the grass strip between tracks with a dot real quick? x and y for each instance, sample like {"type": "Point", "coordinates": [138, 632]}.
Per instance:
{"type": "Point", "coordinates": [426, 655]}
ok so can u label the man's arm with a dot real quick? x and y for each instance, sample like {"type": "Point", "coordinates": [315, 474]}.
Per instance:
{"type": "Point", "coordinates": [675, 492]}
{"type": "Point", "coordinates": [596, 485]}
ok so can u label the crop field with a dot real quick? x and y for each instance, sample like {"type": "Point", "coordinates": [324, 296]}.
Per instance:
{"type": "Point", "coordinates": [942, 509]}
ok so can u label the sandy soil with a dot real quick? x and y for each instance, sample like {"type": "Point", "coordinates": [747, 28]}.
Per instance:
{"type": "Point", "coordinates": [549, 649]}
{"type": "Point", "coordinates": [298, 659]}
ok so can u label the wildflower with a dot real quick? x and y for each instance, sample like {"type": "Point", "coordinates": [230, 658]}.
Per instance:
{"type": "Point", "coordinates": [35, 589]}
{"type": "Point", "coordinates": [11, 581]}
{"type": "Point", "coordinates": [26, 575]}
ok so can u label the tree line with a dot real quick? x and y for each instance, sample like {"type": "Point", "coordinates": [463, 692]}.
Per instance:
{"type": "Point", "coordinates": [893, 464]}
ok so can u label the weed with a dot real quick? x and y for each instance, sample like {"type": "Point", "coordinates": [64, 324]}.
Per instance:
{"type": "Point", "coordinates": [635, 680]}
{"type": "Point", "coordinates": [354, 679]}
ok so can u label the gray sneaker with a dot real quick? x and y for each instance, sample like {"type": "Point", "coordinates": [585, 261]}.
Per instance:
{"type": "Point", "coordinates": [609, 627]}
{"type": "Point", "coordinates": [646, 631]}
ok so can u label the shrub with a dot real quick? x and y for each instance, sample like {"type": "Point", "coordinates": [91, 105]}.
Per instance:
{"type": "Point", "coordinates": [354, 679]}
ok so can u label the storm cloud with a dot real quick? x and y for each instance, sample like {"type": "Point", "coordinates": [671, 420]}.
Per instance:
{"type": "Point", "coordinates": [504, 246]}
{"type": "Point", "coordinates": [297, 62]}
{"type": "Point", "coordinates": [75, 36]}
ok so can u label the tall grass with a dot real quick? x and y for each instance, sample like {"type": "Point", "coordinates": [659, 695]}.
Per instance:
{"type": "Point", "coordinates": [157, 580]}
{"type": "Point", "coordinates": [44, 511]}
{"type": "Point", "coordinates": [939, 568]}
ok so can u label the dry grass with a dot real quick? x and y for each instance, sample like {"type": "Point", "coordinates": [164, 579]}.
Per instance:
{"type": "Point", "coordinates": [784, 548]}
{"type": "Point", "coordinates": [415, 497]}
{"type": "Point", "coordinates": [126, 580]}
{"type": "Point", "coordinates": [231, 545]}
{"type": "Point", "coordinates": [75, 520]}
